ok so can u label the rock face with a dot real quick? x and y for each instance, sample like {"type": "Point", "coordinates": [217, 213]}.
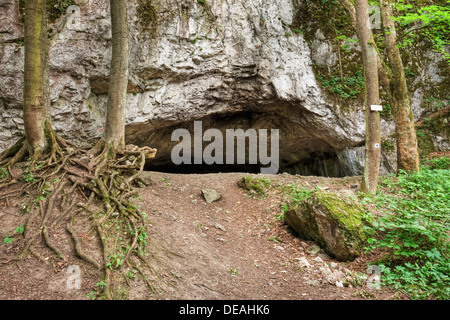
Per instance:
{"type": "Point", "coordinates": [334, 222]}
{"type": "Point", "coordinates": [230, 63]}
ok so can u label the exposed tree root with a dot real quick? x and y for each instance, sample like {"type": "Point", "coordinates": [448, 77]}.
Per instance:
{"type": "Point", "coordinates": [66, 184]}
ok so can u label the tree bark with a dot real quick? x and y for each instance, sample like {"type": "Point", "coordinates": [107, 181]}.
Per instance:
{"type": "Point", "coordinates": [36, 97]}
{"type": "Point", "coordinates": [383, 71]}
{"type": "Point", "coordinates": [118, 78]}
{"type": "Point", "coordinates": [407, 149]}
{"type": "Point", "coordinates": [373, 133]}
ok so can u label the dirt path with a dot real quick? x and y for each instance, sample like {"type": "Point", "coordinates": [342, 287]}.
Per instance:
{"type": "Point", "coordinates": [234, 248]}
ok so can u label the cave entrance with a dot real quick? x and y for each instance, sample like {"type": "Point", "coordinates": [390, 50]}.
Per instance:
{"type": "Point", "coordinates": [301, 145]}
{"type": "Point", "coordinates": [324, 165]}
{"type": "Point", "coordinates": [203, 169]}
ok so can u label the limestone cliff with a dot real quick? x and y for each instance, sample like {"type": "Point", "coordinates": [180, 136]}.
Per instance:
{"type": "Point", "coordinates": [230, 63]}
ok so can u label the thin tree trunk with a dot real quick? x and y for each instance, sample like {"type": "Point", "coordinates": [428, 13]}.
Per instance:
{"type": "Point", "coordinates": [407, 149]}
{"type": "Point", "coordinates": [36, 102]}
{"type": "Point", "coordinates": [373, 133]}
{"type": "Point", "coordinates": [383, 71]}
{"type": "Point", "coordinates": [118, 79]}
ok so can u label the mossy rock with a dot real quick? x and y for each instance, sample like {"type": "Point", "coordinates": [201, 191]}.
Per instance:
{"type": "Point", "coordinates": [254, 185]}
{"type": "Point", "coordinates": [334, 222]}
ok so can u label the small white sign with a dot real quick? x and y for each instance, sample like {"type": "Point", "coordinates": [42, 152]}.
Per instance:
{"type": "Point", "coordinates": [377, 145]}
{"type": "Point", "coordinates": [376, 107]}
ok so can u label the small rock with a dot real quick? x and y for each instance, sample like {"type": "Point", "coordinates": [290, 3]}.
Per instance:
{"type": "Point", "coordinates": [176, 274]}
{"type": "Point", "coordinates": [318, 260]}
{"type": "Point", "coordinates": [312, 282]}
{"type": "Point", "coordinates": [334, 277]}
{"type": "Point", "coordinates": [326, 272]}
{"type": "Point", "coordinates": [314, 249]}
{"type": "Point", "coordinates": [220, 227]}
{"type": "Point", "coordinates": [303, 263]}
{"type": "Point", "coordinates": [324, 256]}
{"type": "Point", "coordinates": [211, 195]}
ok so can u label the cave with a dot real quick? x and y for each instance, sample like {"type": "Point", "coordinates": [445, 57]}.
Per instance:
{"type": "Point", "coordinates": [326, 166]}
{"type": "Point", "coordinates": [303, 148]}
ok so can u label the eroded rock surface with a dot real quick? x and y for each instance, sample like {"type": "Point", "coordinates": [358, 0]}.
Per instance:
{"type": "Point", "coordinates": [230, 63]}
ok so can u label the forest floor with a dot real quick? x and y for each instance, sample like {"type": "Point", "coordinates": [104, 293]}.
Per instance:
{"type": "Point", "coordinates": [233, 249]}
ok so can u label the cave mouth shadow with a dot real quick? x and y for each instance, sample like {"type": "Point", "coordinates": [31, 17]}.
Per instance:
{"type": "Point", "coordinates": [203, 168]}
{"type": "Point", "coordinates": [323, 165]}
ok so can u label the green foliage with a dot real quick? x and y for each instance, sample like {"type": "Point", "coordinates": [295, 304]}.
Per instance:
{"type": "Point", "coordinates": [19, 230]}
{"type": "Point", "coordinates": [28, 176]}
{"type": "Point", "coordinates": [347, 88]}
{"type": "Point", "coordinates": [8, 240]}
{"type": "Point", "coordinates": [431, 22]}
{"type": "Point", "coordinates": [294, 196]}
{"type": "Point", "coordinates": [348, 42]}
{"type": "Point", "coordinates": [131, 274]}
{"type": "Point", "coordinates": [101, 284]}
{"type": "Point", "coordinates": [115, 260]}
{"type": "Point", "coordinates": [437, 163]}
{"type": "Point", "coordinates": [415, 232]}
{"type": "Point", "coordinates": [3, 173]}
{"type": "Point", "coordinates": [57, 8]}
{"type": "Point", "coordinates": [92, 295]}
{"type": "Point", "coordinates": [387, 111]}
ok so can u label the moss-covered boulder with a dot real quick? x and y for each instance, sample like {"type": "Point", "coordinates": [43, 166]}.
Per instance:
{"type": "Point", "coordinates": [334, 222]}
{"type": "Point", "coordinates": [253, 185]}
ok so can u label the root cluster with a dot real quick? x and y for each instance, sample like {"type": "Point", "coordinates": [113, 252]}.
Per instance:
{"type": "Point", "coordinates": [69, 187]}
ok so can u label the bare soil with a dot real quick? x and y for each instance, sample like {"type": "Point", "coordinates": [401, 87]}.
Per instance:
{"type": "Point", "coordinates": [233, 249]}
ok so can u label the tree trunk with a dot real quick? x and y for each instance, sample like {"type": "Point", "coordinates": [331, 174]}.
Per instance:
{"type": "Point", "coordinates": [383, 71]}
{"type": "Point", "coordinates": [118, 78]}
{"type": "Point", "coordinates": [36, 97]}
{"type": "Point", "coordinates": [373, 133]}
{"type": "Point", "coordinates": [407, 149]}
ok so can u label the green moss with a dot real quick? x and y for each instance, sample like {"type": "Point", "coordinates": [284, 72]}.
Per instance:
{"type": "Point", "coordinates": [257, 186]}
{"type": "Point", "coordinates": [388, 146]}
{"type": "Point", "coordinates": [350, 214]}
{"type": "Point", "coordinates": [436, 125]}
{"type": "Point", "coordinates": [425, 143]}
{"type": "Point", "coordinates": [335, 222]}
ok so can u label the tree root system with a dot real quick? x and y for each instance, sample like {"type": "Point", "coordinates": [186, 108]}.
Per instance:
{"type": "Point", "coordinates": [69, 186]}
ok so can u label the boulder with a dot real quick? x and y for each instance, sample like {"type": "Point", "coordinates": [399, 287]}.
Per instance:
{"type": "Point", "coordinates": [334, 222]}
